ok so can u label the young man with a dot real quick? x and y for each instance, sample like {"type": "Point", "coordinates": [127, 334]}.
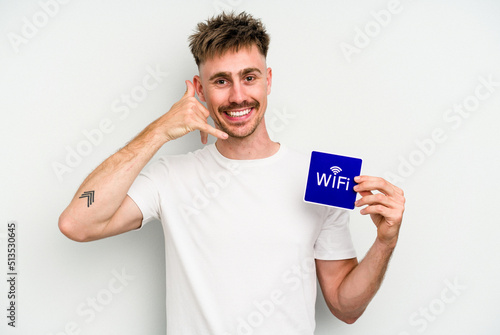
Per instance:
{"type": "Point", "coordinates": [242, 248]}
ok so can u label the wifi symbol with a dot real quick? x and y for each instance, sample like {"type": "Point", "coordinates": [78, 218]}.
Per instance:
{"type": "Point", "coordinates": [335, 169]}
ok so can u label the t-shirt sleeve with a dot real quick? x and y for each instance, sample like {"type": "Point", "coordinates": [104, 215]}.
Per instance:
{"type": "Point", "coordinates": [334, 241]}
{"type": "Point", "coordinates": [144, 193]}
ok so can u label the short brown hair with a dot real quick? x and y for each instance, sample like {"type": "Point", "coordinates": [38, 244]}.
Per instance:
{"type": "Point", "coordinates": [227, 32]}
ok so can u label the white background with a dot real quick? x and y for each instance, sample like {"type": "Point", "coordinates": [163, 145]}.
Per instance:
{"type": "Point", "coordinates": [378, 103]}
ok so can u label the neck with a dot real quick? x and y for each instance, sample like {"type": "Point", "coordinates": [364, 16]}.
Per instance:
{"type": "Point", "coordinates": [255, 146]}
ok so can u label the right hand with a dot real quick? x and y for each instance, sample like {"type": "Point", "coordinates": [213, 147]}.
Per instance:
{"type": "Point", "coordinates": [187, 115]}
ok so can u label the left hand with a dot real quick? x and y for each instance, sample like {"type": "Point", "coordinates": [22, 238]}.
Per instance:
{"type": "Point", "coordinates": [385, 208]}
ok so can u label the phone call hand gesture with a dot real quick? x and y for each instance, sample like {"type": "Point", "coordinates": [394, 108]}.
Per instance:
{"type": "Point", "coordinates": [187, 115]}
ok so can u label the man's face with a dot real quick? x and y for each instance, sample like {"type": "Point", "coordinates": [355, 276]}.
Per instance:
{"type": "Point", "coordinates": [235, 87]}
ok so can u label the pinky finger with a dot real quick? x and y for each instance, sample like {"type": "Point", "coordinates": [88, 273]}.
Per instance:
{"type": "Point", "coordinates": [208, 129]}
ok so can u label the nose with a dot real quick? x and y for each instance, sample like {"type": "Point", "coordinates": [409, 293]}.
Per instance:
{"type": "Point", "coordinates": [237, 93]}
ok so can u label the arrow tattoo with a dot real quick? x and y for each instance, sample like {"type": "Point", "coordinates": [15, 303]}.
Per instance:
{"type": "Point", "coordinates": [90, 197]}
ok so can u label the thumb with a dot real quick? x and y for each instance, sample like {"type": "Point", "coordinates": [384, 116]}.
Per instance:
{"type": "Point", "coordinates": [189, 89]}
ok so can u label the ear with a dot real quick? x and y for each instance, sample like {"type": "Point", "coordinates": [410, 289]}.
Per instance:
{"type": "Point", "coordinates": [199, 87]}
{"type": "Point", "coordinates": [269, 80]}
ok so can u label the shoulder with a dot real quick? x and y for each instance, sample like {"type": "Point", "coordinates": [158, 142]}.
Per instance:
{"type": "Point", "coordinates": [169, 164]}
{"type": "Point", "coordinates": [296, 154]}
{"type": "Point", "coordinates": [295, 159]}
{"type": "Point", "coordinates": [188, 158]}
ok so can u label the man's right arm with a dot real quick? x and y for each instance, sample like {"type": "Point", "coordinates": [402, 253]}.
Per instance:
{"type": "Point", "coordinates": [112, 211]}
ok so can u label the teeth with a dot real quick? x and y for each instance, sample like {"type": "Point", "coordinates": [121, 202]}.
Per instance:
{"type": "Point", "coordinates": [240, 113]}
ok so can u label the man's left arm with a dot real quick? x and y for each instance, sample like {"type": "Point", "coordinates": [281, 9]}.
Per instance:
{"type": "Point", "coordinates": [347, 286]}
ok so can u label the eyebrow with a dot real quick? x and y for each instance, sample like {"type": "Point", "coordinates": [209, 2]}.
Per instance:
{"type": "Point", "coordinates": [241, 73]}
{"type": "Point", "coordinates": [249, 70]}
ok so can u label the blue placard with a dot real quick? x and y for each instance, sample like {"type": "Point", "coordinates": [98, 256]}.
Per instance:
{"type": "Point", "coordinates": [331, 180]}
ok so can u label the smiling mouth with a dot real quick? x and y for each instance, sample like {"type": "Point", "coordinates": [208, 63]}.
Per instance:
{"type": "Point", "coordinates": [239, 110]}
{"type": "Point", "coordinates": [239, 113]}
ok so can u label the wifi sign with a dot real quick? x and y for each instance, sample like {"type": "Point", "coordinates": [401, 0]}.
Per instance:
{"type": "Point", "coordinates": [335, 169]}
{"type": "Point", "coordinates": [331, 180]}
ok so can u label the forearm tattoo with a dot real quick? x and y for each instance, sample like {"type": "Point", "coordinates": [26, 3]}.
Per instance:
{"type": "Point", "coordinates": [90, 197]}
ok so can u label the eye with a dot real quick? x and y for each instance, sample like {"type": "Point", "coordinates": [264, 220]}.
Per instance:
{"type": "Point", "coordinates": [249, 78]}
{"type": "Point", "coordinates": [221, 81]}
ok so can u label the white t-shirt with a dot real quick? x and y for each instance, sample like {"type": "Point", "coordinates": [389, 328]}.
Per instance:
{"type": "Point", "coordinates": [240, 241]}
